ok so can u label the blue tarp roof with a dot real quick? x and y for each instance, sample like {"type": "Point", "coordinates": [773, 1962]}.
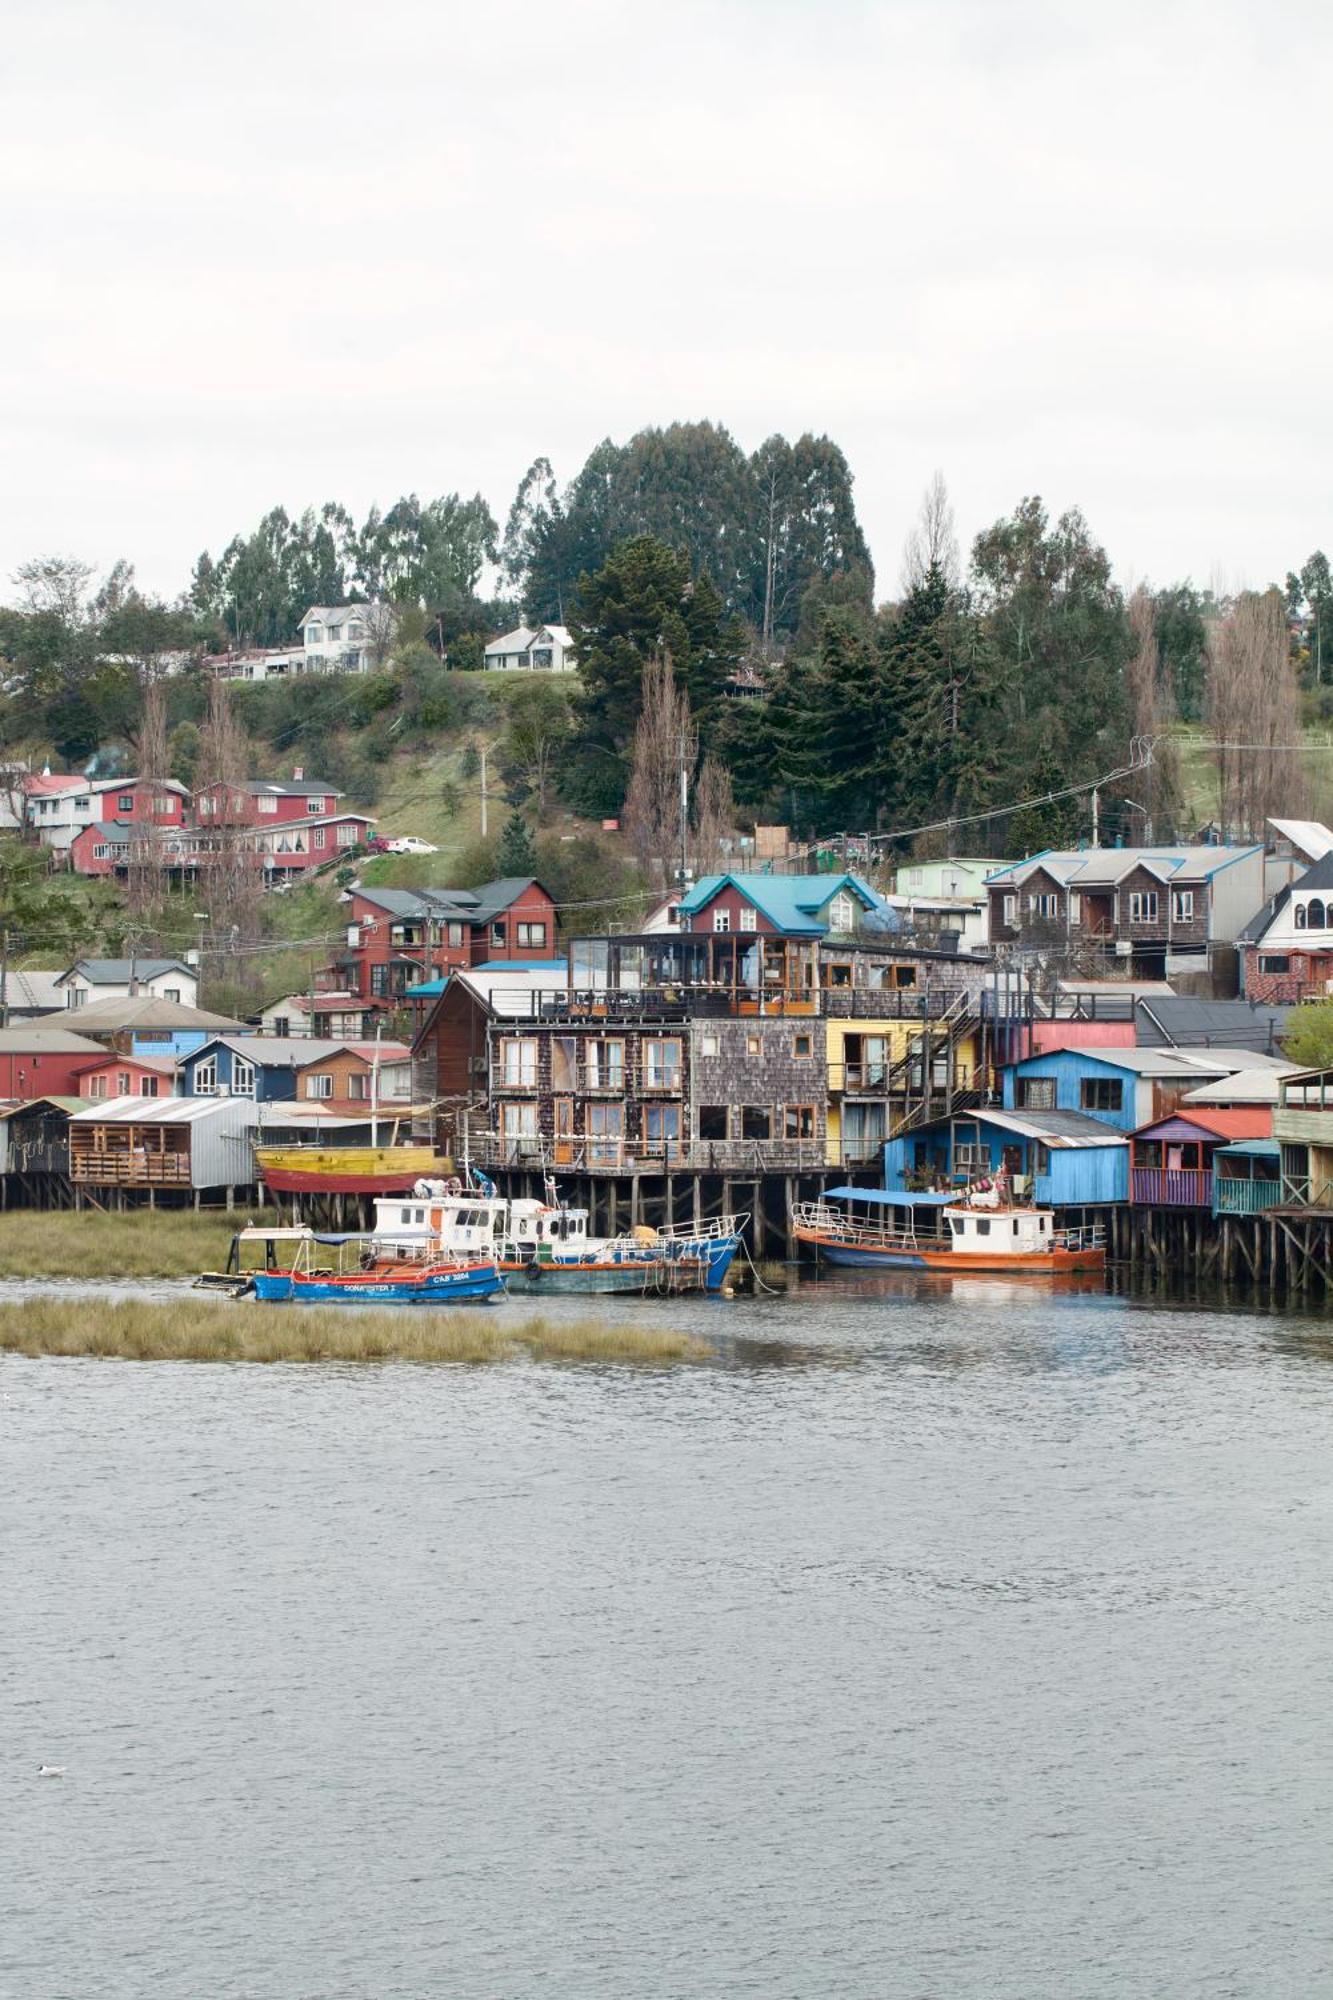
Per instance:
{"type": "Point", "coordinates": [1264, 1149]}
{"type": "Point", "coordinates": [889, 1197]}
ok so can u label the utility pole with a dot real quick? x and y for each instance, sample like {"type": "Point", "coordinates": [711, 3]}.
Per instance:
{"type": "Point", "coordinates": [684, 813]}
{"type": "Point", "coordinates": [4, 980]}
{"type": "Point", "coordinates": [1096, 818]}
{"type": "Point", "coordinates": [483, 791]}
{"type": "Point", "coordinates": [375, 1087]}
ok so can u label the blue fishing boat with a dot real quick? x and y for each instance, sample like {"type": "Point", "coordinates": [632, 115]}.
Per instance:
{"type": "Point", "coordinates": [301, 1267]}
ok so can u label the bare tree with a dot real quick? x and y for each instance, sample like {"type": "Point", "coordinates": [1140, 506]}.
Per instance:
{"type": "Point", "coordinates": [1157, 789]}
{"type": "Point", "coordinates": [663, 742]}
{"type": "Point", "coordinates": [144, 877]}
{"type": "Point", "coordinates": [381, 623]}
{"type": "Point", "coordinates": [714, 817]}
{"type": "Point", "coordinates": [933, 541]}
{"type": "Point", "coordinates": [1253, 707]}
{"type": "Point", "coordinates": [231, 865]}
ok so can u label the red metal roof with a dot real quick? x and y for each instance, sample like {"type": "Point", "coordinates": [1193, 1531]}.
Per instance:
{"type": "Point", "coordinates": [1249, 1121]}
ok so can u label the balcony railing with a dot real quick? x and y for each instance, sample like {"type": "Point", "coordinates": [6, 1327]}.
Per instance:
{"type": "Point", "coordinates": [1172, 1187]}
{"type": "Point", "coordinates": [608, 1154]}
{"type": "Point", "coordinates": [1238, 1195]}
{"type": "Point", "coordinates": [130, 1169]}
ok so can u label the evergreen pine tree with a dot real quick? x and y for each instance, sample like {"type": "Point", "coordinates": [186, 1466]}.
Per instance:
{"type": "Point", "coordinates": [517, 855]}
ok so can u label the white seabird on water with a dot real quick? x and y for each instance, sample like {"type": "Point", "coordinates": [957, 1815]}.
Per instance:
{"type": "Point", "coordinates": [50, 1770]}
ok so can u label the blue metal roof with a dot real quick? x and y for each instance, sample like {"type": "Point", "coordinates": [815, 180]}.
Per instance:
{"type": "Point", "coordinates": [1263, 1149]}
{"type": "Point", "coordinates": [431, 989]}
{"type": "Point", "coordinates": [889, 1197]}
{"type": "Point", "coordinates": [792, 902]}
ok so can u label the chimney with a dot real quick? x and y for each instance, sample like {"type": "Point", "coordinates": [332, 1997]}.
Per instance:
{"type": "Point", "coordinates": [298, 773]}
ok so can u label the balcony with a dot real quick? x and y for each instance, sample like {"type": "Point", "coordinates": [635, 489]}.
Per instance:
{"type": "Point", "coordinates": [1237, 1194]}
{"type": "Point", "coordinates": [1172, 1187]}
{"type": "Point", "coordinates": [136, 1168]}
{"type": "Point", "coordinates": [608, 1154]}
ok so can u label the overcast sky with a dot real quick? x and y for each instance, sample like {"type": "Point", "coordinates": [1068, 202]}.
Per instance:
{"type": "Point", "coordinates": [292, 252]}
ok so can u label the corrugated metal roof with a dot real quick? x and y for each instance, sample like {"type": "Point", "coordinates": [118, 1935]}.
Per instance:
{"type": "Point", "coordinates": [1184, 1023]}
{"type": "Point", "coordinates": [162, 1110]}
{"type": "Point", "coordinates": [1088, 867]}
{"type": "Point", "coordinates": [1242, 1122]}
{"type": "Point", "coordinates": [1243, 1086]}
{"type": "Point", "coordinates": [1059, 1129]}
{"type": "Point", "coordinates": [792, 902]}
{"type": "Point", "coordinates": [1311, 836]}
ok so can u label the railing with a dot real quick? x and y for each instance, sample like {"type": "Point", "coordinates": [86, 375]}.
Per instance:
{"type": "Point", "coordinates": [124, 1170]}
{"type": "Point", "coordinates": [1172, 1187]}
{"type": "Point", "coordinates": [609, 1154]}
{"type": "Point", "coordinates": [835, 1227]}
{"type": "Point", "coordinates": [1238, 1195]}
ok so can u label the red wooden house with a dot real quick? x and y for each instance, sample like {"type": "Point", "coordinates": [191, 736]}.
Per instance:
{"type": "Point", "coordinates": [397, 938]}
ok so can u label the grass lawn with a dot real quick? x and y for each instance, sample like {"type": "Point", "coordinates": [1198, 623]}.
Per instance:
{"type": "Point", "coordinates": [142, 1243]}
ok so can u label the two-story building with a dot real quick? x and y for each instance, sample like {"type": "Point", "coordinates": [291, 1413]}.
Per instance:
{"type": "Point", "coordinates": [336, 1076]}
{"type": "Point", "coordinates": [1166, 912]}
{"type": "Point", "coordinates": [62, 810]}
{"type": "Point", "coordinates": [531, 649]}
{"type": "Point", "coordinates": [1124, 1088]}
{"type": "Point", "coordinates": [92, 979]}
{"type": "Point", "coordinates": [291, 828]}
{"type": "Point", "coordinates": [401, 938]}
{"type": "Point", "coordinates": [1286, 950]}
{"type": "Point", "coordinates": [342, 638]}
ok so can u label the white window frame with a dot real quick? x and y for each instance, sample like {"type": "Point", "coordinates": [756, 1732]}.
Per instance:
{"type": "Point", "coordinates": [1143, 906]}
{"type": "Point", "coordinates": [204, 1080]}
{"type": "Point", "coordinates": [749, 918]}
{"type": "Point", "coordinates": [518, 1062]}
{"type": "Point", "coordinates": [319, 1086]}
{"type": "Point", "coordinates": [244, 1077]}
{"type": "Point", "coordinates": [721, 921]}
{"type": "Point", "coordinates": [660, 1070]}
{"type": "Point", "coordinates": [1182, 906]}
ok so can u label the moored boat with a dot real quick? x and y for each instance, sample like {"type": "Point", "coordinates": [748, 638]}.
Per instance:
{"type": "Point", "coordinates": [303, 1267]}
{"type": "Point", "coordinates": [979, 1230]}
{"type": "Point", "coordinates": [545, 1245]}
{"type": "Point", "coordinates": [343, 1169]}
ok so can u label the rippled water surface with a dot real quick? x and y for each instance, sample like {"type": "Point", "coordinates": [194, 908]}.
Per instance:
{"type": "Point", "coordinates": [944, 1638]}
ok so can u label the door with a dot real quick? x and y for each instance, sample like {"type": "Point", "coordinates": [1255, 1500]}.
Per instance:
{"type": "Point", "coordinates": [564, 1131]}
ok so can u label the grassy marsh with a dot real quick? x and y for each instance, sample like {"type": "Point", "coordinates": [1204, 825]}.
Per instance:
{"type": "Point", "coordinates": [197, 1329]}
{"type": "Point", "coordinates": [141, 1243]}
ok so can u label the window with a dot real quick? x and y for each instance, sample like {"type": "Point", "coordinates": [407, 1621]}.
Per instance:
{"type": "Point", "coordinates": [904, 976]}
{"type": "Point", "coordinates": [455, 934]}
{"type": "Point", "coordinates": [915, 877]}
{"type": "Point", "coordinates": [335, 633]}
{"type": "Point", "coordinates": [983, 1226]}
{"type": "Point", "coordinates": [754, 1045]}
{"type": "Point", "coordinates": [356, 631]}
{"type": "Point", "coordinates": [268, 802]}
{"type": "Point", "coordinates": [1274, 962]}
{"type": "Point", "coordinates": [319, 1086]}
{"type": "Point", "coordinates": [348, 833]}
{"type": "Point", "coordinates": [1300, 916]}
{"type": "Point", "coordinates": [358, 1086]}
{"type": "Point", "coordinates": [661, 1123]}
{"type": "Point", "coordinates": [1010, 909]}
{"type": "Point", "coordinates": [749, 918]}
{"type": "Point", "coordinates": [206, 1077]}
{"type": "Point", "coordinates": [1034, 1093]}
{"type": "Point", "coordinates": [801, 1045]}
{"type": "Point", "coordinates": [172, 993]}
{"type": "Point", "coordinates": [1316, 915]}
{"type": "Point", "coordinates": [518, 1123]}
{"type": "Point", "coordinates": [379, 982]}
{"type": "Point", "coordinates": [498, 931]}
{"type": "Point", "coordinates": [721, 920]}
{"type": "Point", "coordinates": [1041, 1158]}
{"type": "Point", "coordinates": [314, 635]}
{"type": "Point", "coordinates": [83, 805]}
{"type": "Point", "coordinates": [318, 837]}
{"type": "Point", "coordinates": [1182, 906]}
{"type": "Point", "coordinates": [605, 1125]}
{"type": "Point", "coordinates": [148, 1087]}
{"type": "Point", "coordinates": [518, 1063]}
{"type": "Point", "coordinates": [100, 850]}
{"type": "Point", "coordinates": [242, 1077]}
{"type": "Point", "coordinates": [798, 1121]}
{"type": "Point", "coordinates": [1143, 906]}
{"type": "Point", "coordinates": [1075, 907]}
{"type": "Point", "coordinates": [125, 803]}
{"type": "Point", "coordinates": [605, 1065]}
{"type": "Point", "coordinates": [714, 1121]}
{"type": "Point", "coordinates": [661, 1065]}
{"type": "Point", "coordinates": [97, 1086]}
{"type": "Point", "coordinates": [1042, 906]}
{"type": "Point", "coordinates": [315, 805]}
{"type": "Point", "coordinates": [76, 996]}
{"type": "Point", "coordinates": [708, 1045]}
{"type": "Point", "coordinates": [1101, 1093]}
{"type": "Point", "coordinates": [756, 1122]}
{"type": "Point", "coordinates": [841, 913]}
{"type": "Point", "coordinates": [533, 935]}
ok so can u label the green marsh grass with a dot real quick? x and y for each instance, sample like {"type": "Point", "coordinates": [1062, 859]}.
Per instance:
{"type": "Point", "coordinates": [141, 1243]}
{"type": "Point", "coordinates": [197, 1329]}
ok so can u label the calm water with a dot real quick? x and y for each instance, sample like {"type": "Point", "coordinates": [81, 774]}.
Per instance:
{"type": "Point", "coordinates": [937, 1642]}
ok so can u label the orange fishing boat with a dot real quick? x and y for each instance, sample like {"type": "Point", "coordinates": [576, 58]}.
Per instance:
{"type": "Point", "coordinates": [980, 1230]}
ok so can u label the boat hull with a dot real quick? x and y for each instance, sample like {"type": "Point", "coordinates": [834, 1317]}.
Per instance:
{"type": "Point", "coordinates": [874, 1257]}
{"type": "Point", "coordinates": [429, 1288]}
{"type": "Point", "coordinates": [700, 1266]}
{"type": "Point", "coordinates": [345, 1169]}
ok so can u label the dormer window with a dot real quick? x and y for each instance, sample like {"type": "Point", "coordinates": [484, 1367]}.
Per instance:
{"type": "Point", "coordinates": [314, 635]}
{"type": "Point", "coordinates": [840, 913]}
{"type": "Point", "coordinates": [356, 631]}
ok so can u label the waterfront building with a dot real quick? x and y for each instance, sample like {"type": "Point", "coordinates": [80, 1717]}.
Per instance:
{"type": "Point", "coordinates": [1126, 1088]}
{"type": "Point", "coordinates": [1286, 949]}
{"type": "Point", "coordinates": [1172, 1158]}
{"type": "Point", "coordinates": [1063, 1159]}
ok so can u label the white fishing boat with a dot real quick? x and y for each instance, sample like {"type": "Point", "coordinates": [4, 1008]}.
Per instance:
{"type": "Point", "coordinates": [546, 1245]}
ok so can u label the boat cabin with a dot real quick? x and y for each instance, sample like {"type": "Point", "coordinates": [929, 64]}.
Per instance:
{"type": "Point", "coordinates": [1000, 1232]}
{"type": "Point", "coordinates": [477, 1222]}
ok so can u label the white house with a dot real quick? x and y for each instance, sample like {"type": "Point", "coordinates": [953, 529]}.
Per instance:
{"type": "Point", "coordinates": [58, 808]}
{"type": "Point", "coordinates": [110, 979]}
{"type": "Point", "coordinates": [340, 638]}
{"type": "Point", "coordinates": [541, 649]}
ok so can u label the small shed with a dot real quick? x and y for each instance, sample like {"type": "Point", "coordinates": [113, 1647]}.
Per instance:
{"type": "Point", "coordinates": [144, 1143]}
{"type": "Point", "coordinates": [1247, 1176]}
{"type": "Point", "coordinates": [1172, 1164]}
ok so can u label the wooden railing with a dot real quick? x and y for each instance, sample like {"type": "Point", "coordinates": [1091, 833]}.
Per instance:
{"type": "Point", "coordinates": [1172, 1187]}
{"type": "Point", "coordinates": [1237, 1195]}
{"type": "Point", "coordinates": [131, 1169]}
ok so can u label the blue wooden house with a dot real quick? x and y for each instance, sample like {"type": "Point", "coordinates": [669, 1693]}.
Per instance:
{"type": "Point", "coordinates": [1122, 1088]}
{"type": "Point", "coordinates": [1063, 1158]}
{"type": "Point", "coordinates": [260, 1066]}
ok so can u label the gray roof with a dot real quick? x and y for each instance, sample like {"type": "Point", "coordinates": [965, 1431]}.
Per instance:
{"type": "Point", "coordinates": [1318, 876]}
{"type": "Point", "coordinates": [475, 906]}
{"type": "Point", "coordinates": [297, 1051]}
{"type": "Point", "coordinates": [33, 992]}
{"type": "Point", "coordinates": [1092, 867]}
{"type": "Point", "coordinates": [35, 1038]}
{"type": "Point", "coordinates": [1184, 1023]}
{"type": "Point", "coordinates": [117, 971]}
{"type": "Point", "coordinates": [105, 1017]}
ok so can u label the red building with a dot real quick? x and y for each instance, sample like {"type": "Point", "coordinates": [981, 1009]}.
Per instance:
{"type": "Point", "coordinates": [37, 1061]}
{"type": "Point", "coordinates": [261, 803]}
{"type": "Point", "coordinates": [126, 1076]}
{"type": "Point", "coordinates": [399, 937]}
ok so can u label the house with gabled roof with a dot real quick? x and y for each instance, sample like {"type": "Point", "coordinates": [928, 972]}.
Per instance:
{"type": "Point", "coordinates": [1286, 950]}
{"type": "Point", "coordinates": [532, 649]}
{"type": "Point", "coordinates": [793, 906]}
{"type": "Point", "coordinates": [1165, 911]}
{"type": "Point", "coordinates": [400, 938]}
